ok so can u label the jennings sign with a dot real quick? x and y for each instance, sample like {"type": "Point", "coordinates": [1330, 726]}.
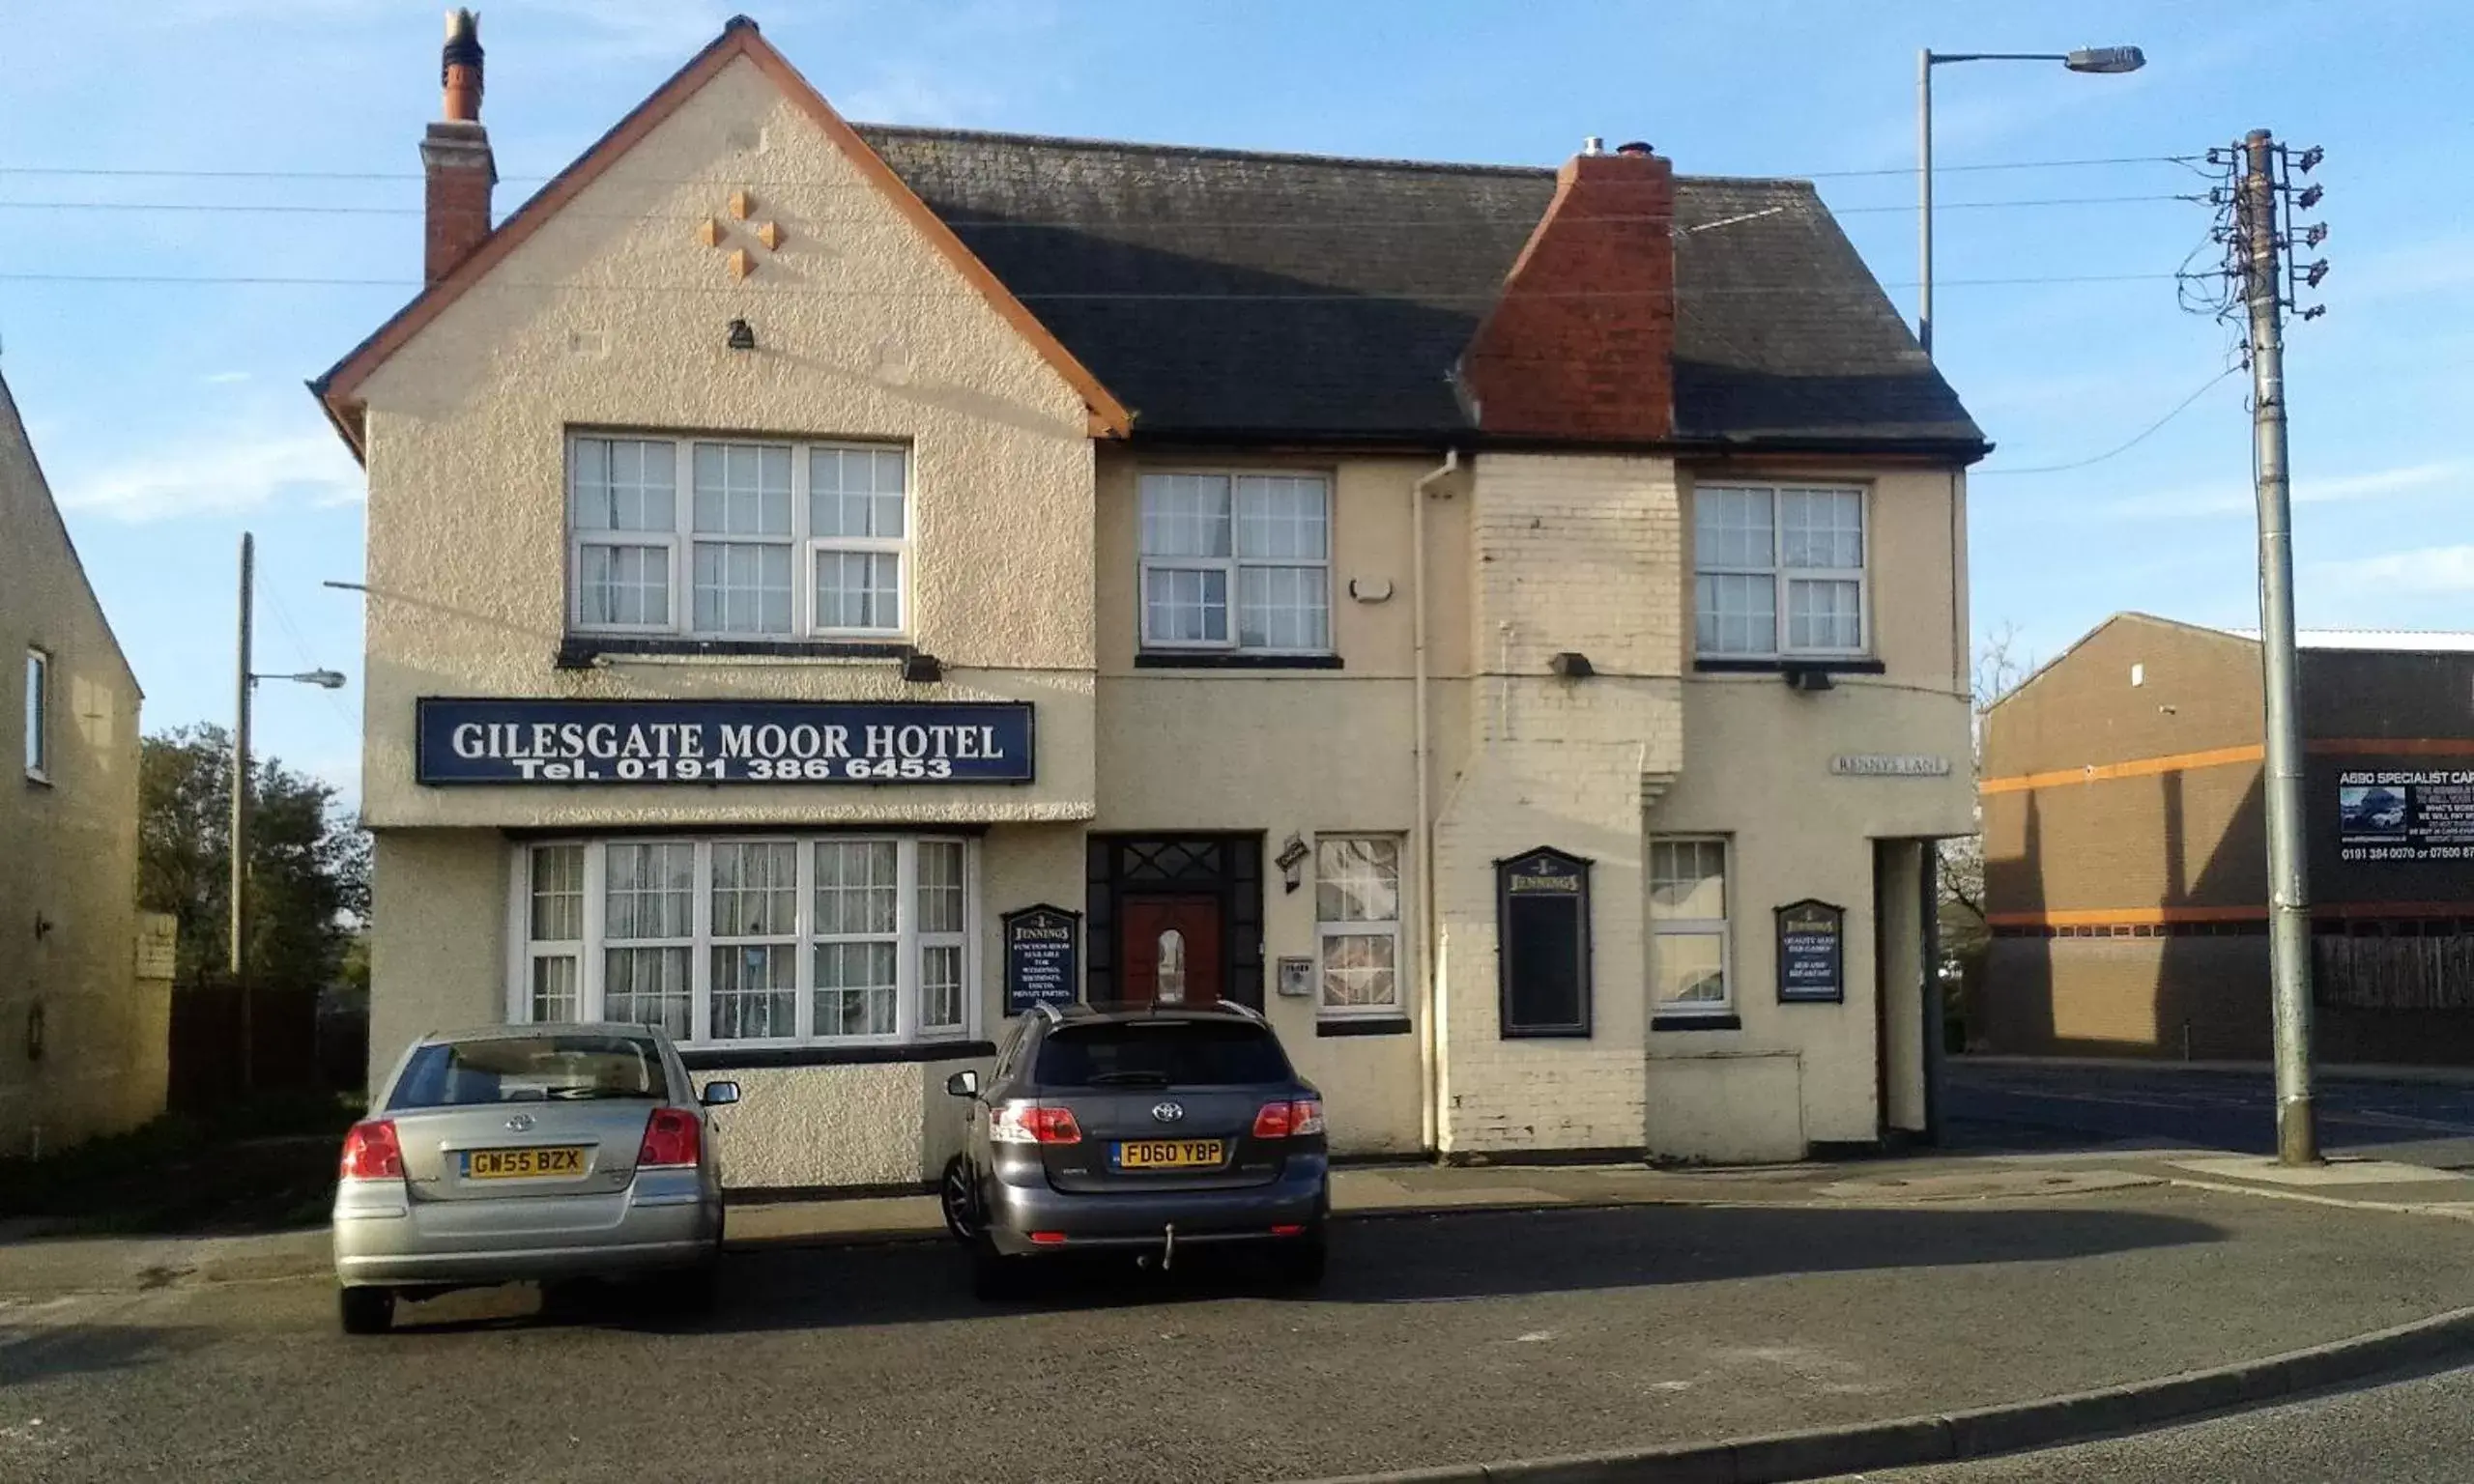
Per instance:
{"type": "Point", "coordinates": [464, 741]}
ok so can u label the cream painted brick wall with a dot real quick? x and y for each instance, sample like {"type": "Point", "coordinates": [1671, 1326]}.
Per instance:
{"type": "Point", "coordinates": [1578, 553]}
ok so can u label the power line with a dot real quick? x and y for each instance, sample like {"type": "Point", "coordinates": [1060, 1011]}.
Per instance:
{"type": "Point", "coordinates": [1488, 296]}
{"type": "Point", "coordinates": [2140, 438]}
{"type": "Point", "coordinates": [982, 224]}
{"type": "Point", "coordinates": [170, 173]}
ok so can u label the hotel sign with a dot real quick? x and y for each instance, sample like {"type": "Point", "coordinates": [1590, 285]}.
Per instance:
{"type": "Point", "coordinates": [582, 742]}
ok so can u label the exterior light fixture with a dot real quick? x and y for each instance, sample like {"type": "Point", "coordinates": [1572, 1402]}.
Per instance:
{"type": "Point", "coordinates": [741, 336]}
{"type": "Point", "coordinates": [2104, 59]}
{"type": "Point", "coordinates": [1571, 665]}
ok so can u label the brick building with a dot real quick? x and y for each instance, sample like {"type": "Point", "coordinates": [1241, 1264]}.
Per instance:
{"type": "Point", "coordinates": [2126, 849]}
{"type": "Point", "coordinates": [1507, 623]}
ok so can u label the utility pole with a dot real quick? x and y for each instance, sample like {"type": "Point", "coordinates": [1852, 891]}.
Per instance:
{"type": "Point", "coordinates": [240, 840]}
{"type": "Point", "coordinates": [2288, 883]}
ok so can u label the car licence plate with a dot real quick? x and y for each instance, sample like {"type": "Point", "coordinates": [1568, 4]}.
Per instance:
{"type": "Point", "coordinates": [523, 1163]}
{"type": "Point", "coordinates": [1168, 1154]}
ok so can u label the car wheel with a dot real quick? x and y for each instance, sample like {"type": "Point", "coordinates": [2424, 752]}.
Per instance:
{"type": "Point", "coordinates": [993, 1275]}
{"type": "Point", "coordinates": [1303, 1260]}
{"type": "Point", "coordinates": [365, 1310]}
{"type": "Point", "coordinates": [961, 1206]}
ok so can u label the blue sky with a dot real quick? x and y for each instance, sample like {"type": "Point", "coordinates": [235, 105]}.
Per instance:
{"type": "Point", "coordinates": [171, 417]}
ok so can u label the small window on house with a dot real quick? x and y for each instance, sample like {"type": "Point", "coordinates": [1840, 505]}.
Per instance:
{"type": "Point", "coordinates": [1357, 911]}
{"type": "Point", "coordinates": [1779, 571]}
{"type": "Point", "coordinates": [554, 975]}
{"type": "Point", "coordinates": [39, 715]}
{"type": "Point", "coordinates": [1688, 945]}
{"type": "Point", "coordinates": [772, 541]}
{"type": "Point", "coordinates": [1236, 562]}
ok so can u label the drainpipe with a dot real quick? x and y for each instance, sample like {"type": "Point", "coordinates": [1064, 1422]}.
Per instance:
{"type": "Point", "coordinates": [1430, 1049]}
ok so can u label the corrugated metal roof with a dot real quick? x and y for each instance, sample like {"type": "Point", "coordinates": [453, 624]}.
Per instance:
{"type": "Point", "coordinates": [2399, 640]}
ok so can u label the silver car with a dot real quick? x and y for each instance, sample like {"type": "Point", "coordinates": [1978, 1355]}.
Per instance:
{"type": "Point", "coordinates": [528, 1152]}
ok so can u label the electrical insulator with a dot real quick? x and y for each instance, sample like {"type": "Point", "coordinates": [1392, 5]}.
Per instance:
{"type": "Point", "coordinates": [2315, 272]}
{"type": "Point", "coordinates": [2309, 157]}
{"type": "Point", "coordinates": [2315, 233]}
{"type": "Point", "coordinates": [2314, 311]}
{"type": "Point", "coordinates": [2310, 196]}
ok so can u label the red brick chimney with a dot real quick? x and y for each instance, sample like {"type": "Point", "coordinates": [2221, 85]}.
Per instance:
{"type": "Point", "coordinates": [1581, 342]}
{"type": "Point", "coordinates": [456, 156]}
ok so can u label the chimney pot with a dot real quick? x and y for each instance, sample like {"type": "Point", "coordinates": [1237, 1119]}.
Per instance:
{"type": "Point", "coordinates": [1635, 147]}
{"type": "Point", "coordinates": [1594, 145]}
{"type": "Point", "coordinates": [460, 67]}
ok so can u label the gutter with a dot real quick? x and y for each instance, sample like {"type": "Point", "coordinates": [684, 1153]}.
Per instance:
{"type": "Point", "coordinates": [1430, 1052]}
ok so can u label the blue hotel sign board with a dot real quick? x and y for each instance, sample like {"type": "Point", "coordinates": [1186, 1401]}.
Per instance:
{"type": "Point", "coordinates": [641, 742]}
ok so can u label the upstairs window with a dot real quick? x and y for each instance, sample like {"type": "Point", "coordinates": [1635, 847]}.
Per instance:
{"type": "Point", "coordinates": [1237, 562]}
{"type": "Point", "coordinates": [1779, 571]}
{"type": "Point", "coordinates": [38, 715]}
{"type": "Point", "coordinates": [714, 539]}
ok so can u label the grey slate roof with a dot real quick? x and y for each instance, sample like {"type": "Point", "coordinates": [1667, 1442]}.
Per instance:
{"type": "Point", "coordinates": [1227, 294]}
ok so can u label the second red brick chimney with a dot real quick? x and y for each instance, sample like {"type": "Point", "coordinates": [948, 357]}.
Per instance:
{"type": "Point", "coordinates": [456, 156]}
{"type": "Point", "coordinates": [1581, 342]}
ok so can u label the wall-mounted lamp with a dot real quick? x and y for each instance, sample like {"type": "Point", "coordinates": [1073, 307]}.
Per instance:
{"type": "Point", "coordinates": [1807, 678]}
{"type": "Point", "coordinates": [922, 668]}
{"type": "Point", "coordinates": [1571, 665]}
{"type": "Point", "coordinates": [742, 336]}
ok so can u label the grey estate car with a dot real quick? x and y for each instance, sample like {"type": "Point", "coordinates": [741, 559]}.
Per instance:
{"type": "Point", "coordinates": [540, 1152]}
{"type": "Point", "coordinates": [1140, 1130]}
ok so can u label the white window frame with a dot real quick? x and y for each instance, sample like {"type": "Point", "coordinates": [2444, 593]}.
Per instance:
{"type": "Point", "coordinates": [1232, 568]}
{"type": "Point", "coordinates": [1781, 576]}
{"type": "Point", "coordinates": [533, 950]}
{"type": "Point", "coordinates": [38, 714]}
{"type": "Point", "coordinates": [591, 950]}
{"type": "Point", "coordinates": [1720, 928]}
{"type": "Point", "coordinates": [1326, 930]}
{"type": "Point", "coordinates": [805, 546]}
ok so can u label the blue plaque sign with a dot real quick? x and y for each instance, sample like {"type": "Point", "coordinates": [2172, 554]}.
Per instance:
{"type": "Point", "coordinates": [1043, 946]}
{"type": "Point", "coordinates": [490, 741]}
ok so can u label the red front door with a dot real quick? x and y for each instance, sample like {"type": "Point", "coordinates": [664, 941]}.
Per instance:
{"type": "Point", "coordinates": [1168, 950]}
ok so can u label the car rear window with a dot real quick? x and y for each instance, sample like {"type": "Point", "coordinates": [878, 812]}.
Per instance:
{"type": "Point", "coordinates": [1161, 1053]}
{"type": "Point", "coordinates": [529, 1069]}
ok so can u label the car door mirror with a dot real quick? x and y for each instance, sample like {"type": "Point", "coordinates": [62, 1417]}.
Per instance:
{"type": "Point", "coordinates": [963, 1084]}
{"type": "Point", "coordinates": [718, 1094]}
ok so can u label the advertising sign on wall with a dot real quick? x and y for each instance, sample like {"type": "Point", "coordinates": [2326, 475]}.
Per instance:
{"type": "Point", "coordinates": [1042, 953]}
{"type": "Point", "coordinates": [517, 741]}
{"type": "Point", "coordinates": [2406, 816]}
{"type": "Point", "coordinates": [1812, 955]}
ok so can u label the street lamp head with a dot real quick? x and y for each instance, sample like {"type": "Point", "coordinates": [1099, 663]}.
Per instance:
{"type": "Point", "coordinates": [2106, 59]}
{"type": "Point", "coordinates": [323, 679]}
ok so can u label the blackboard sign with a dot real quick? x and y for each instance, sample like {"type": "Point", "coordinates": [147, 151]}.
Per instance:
{"type": "Point", "coordinates": [1812, 959]}
{"type": "Point", "coordinates": [1541, 951]}
{"type": "Point", "coordinates": [1043, 946]}
{"type": "Point", "coordinates": [518, 741]}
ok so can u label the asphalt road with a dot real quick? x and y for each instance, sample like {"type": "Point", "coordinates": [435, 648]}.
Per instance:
{"type": "Point", "coordinates": [2005, 1105]}
{"type": "Point", "coordinates": [1438, 1339]}
{"type": "Point", "coordinates": [2412, 1432]}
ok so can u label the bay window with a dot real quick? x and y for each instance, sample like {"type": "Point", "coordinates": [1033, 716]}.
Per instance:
{"type": "Point", "coordinates": [771, 540]}
{"type": "Point", "coordinates": [831, 940]}
{"type": "Point", "coordinates": [1236, 562]}
{"type": "Point", "coordinates": [1778, 571]}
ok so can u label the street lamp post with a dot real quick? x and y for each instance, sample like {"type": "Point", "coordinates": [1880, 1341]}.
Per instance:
{"type": "Point", "coordinates": [2087, 59]}
{"type": "Point", "coordinates": [324, 679]}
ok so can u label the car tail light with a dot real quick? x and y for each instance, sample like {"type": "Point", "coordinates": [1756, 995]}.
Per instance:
{"type": "Point", "coordinates": [1287, 1120]}
{"type": "Point", "coordinates": [1289, 1229]}
{"type": "Point", "coordinates": [673, 1138]}
{"type": "Point", "coordinates": [1031, 1123]}
{"type": "Point", "coordinates": [1047, 1238]}
{"type": "Point", "coordinates": [372, 1153]}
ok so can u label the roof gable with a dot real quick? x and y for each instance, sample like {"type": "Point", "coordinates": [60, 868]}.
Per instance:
{"type": "Point", "coordinates": [337, 388]}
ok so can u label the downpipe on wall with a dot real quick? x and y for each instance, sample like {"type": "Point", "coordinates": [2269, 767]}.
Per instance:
{"type": "Point", "coordinates": [1430, 1046]}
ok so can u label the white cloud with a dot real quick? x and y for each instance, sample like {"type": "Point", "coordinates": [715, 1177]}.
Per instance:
{"type": "Point", "coordinates": [2230, 498]}
{"type": "Point", "coordinates": [2446, 569]}
{"type": "Point", "coordinates": [225, 377]}
{"type": "Point", "coordinates": [242, 472]}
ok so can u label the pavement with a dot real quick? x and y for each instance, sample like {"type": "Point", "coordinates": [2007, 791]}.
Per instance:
{"type": "Point", "coordinates": [1886, 1311]}
{"type": "Point", "coordinates": [2419, 1431]}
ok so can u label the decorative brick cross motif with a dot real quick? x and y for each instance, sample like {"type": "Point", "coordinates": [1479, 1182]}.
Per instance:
{"type": "Point", "coordinates": [725, 236]}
